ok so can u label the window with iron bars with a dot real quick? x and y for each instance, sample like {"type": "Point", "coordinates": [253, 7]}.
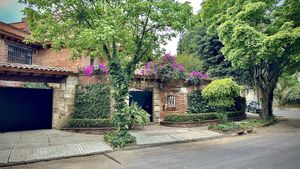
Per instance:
{"type": "Point", "coordinates": [20, 54]}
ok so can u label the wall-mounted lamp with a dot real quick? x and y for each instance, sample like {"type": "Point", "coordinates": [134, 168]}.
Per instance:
{"type": "Point", "coordinates": [161, 85]}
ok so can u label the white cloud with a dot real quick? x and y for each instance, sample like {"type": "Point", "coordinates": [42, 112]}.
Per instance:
{"type": "Point", "coordinates": [172, 44]}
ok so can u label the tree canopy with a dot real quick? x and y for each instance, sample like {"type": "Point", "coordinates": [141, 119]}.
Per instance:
{"type": "Point", "coordinates": [264, 35]}
{"type": "Point", "coordinates": [125, 32]}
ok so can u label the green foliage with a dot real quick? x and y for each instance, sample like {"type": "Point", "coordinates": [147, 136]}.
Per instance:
{"type": "Point", "coordinates": [221, 93]}
{"type": "Point", "coordinates": [35, 85]}
{"type": "Point", "coordinates": [119, 139]}
{"type": "Point", "coordinates": [293, 97]}
{"type": "Point", "coordinates": [239, 104]}
{"type": "Point", "coordinates": [89, 123]}
{"type": "Point", "coordinates": [191, 117]}
{"type": "Point", "coordinates": [287, 90]}
{"type": "Point", "coordinates": [124, 32]}
{"type": "Point", "coordinates": [243, 125]}
{"type": "Point", "coordinates": [224, 127]}
{"type": "Point", "coordinates": [139, 116]}
{"type": "Point", "coordinates": [260, 35]}
{"type": "Point", "coordinates": [92, 101]}
{"type": "Point", "coordinates": [190, 62]}
{"type": "Point", "coordinates": [198, 43]}
{"type": "Point", "coordinates": [223, 117]}
{"type": "Point", "coordinates": [235, 114]}
{"type": "Point", "coordinates": [198, 104]}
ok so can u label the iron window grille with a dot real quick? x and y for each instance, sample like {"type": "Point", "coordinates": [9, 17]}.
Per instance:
{"type": "Point", "coordinates": [20, 54]}
{"type": "Point", "coordinates": [171, 101]}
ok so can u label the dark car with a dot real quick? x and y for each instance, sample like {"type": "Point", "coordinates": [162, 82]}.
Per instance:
{"type": "Point", "coordinates": [254, 107]}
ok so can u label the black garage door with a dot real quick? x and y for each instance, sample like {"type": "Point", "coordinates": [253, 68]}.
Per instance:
{"type": "Point", "coordinates": [25, 109]}
{"type": "Point", "coordinates": [143, 99]}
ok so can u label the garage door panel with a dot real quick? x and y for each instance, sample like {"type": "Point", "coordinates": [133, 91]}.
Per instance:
{"type": "Point", "coordinates": [25, 109]}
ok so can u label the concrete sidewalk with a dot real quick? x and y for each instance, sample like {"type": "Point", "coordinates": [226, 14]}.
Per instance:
{"type": "Point", "coordinates": [158, 135]}
{"type": "Point", "coordinates": [32, 146]}
{"type": "Point", "coordinates": [38, 145]}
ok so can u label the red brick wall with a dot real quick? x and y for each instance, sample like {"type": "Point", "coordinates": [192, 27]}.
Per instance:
{"type": "Point", "coordinates": [48, 57]}
{"type": "Point", "coordinates": [180, 90]}
{"type": "Point", "coordinates": [173, 89]}
{"type": "Point", "coordinates": [83, 79]}
{"type": "Point", "coordinates": [3, 51]}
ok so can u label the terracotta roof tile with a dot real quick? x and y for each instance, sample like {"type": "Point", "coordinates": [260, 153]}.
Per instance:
{"type": "Point", "coordinates": [13, 30]}
{"type": "Point", "coordinates": [34, 67]}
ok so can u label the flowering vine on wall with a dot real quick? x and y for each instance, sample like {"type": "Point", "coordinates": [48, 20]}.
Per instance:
{"type": "Point", "coordinates": [100, 69]}
{"type": "Point", "coordinates": [167, 69]}
{"type": "Point", "coordinates": [196, 76]}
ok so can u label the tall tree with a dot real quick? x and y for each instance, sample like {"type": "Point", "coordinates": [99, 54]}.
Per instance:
{"type": "Point", "coordinates": [125, 32]}
{"type": "Point", "coordinates": [207, 47]}
{"type": "Point", "coordinates": [264, 35]}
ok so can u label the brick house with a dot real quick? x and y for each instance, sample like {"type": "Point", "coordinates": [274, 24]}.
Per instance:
{"type": "Point", "coordinates": [163, 98]}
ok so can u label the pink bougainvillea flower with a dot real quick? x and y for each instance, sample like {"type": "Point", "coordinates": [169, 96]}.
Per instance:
{"type": "Point", "coordinates": [89, 70]}
{"type": "Point", "coordinates": [96, 69]}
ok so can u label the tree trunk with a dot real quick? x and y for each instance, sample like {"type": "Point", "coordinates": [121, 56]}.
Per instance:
{"type": "Point", "coordinates": [267, 102]}
{"type": "Point", "coordinates": [119, 82]}
{"type": "Point", "coordinates": [266, 76]}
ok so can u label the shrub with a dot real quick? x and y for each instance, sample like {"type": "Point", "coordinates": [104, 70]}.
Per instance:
{"type": "Point", "coordinates": [224, 127]}
{"type": "Point", "coordinates": [139, 116]}
{"type": "Point", "coordinates": [197, 103]}
{"type": "Point", "coordinates": [239, 104]}
{"type": "Point", "coordinates": [294, 96]}
{"type": "Point", "coordinates": [35, 85]}
{"type": "Point", "coordinates": [92, 101]}
{"type": "Point", "coordinates": [89, 123]}
{"type": "Point", "coordinates": [191, 117]}
{"type": "Point", "coordinates": [235, 114]}
{"type": "Point", "coordinates": [221, 93]}
{"type": "Point", "coordinates": [287, 90]}
{"type": "Point", "coordinates": [119, 139]}
{"type": "Point", "coordinates": [243, 125]}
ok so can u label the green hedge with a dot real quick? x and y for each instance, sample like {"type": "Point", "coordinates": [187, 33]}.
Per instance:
{"type": "Point", "coordinates": [197, 103]}
{"type": "Point", "coordinates": [92, 101]}
{"type": "Point", "coordinates": [235, 114]}
{"type": "Point", "coordinates": [90, 123]}
{"type": "Point", "coordinates": [200, 116]}
{"type": "Point", "coordinates": [191, 117]}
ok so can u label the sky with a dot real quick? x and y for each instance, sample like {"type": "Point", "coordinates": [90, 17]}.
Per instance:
{"type": "Point", "coordinates": [10, 11]}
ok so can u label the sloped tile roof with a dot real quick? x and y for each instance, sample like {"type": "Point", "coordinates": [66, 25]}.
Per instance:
{"type": "Point", "coordinates": [34, 68]}
{"type": "Point", "coordinates": [11, 30]}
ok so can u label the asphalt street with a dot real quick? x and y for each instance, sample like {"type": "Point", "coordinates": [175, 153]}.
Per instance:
{"type": "Point", "coordinates": [274, 147]}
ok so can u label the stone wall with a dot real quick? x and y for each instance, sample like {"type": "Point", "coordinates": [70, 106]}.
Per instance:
{"type": "Point", "coordinates": [178, 89]}
{"type": "Point", "coordinates": [63, 101]}
{"type": "Point", "coordinates": [3, 51]}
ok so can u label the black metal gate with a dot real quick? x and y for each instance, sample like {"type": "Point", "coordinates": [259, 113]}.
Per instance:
{"type": "Point", "coordinates": [143, 99]}
{"type": "Point", "coordinates": [25, 109]}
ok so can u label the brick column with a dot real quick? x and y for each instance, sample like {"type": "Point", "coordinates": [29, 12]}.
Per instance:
{"type": "Point", "coordinates": [63, 101]}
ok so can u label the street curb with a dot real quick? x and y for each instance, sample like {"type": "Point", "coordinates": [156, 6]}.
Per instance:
{"type": "Point", "coordinates": [132, 147]}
